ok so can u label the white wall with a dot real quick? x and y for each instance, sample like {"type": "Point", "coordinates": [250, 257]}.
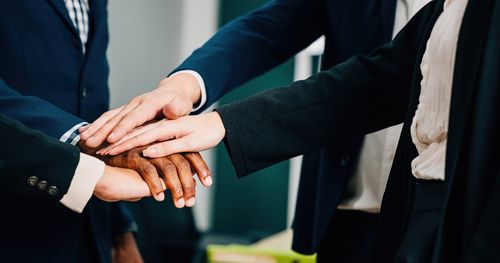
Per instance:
{"type": "Point", "coordinates": [144, 45]}
{"type": "Point", "coordinates": [147, 40]}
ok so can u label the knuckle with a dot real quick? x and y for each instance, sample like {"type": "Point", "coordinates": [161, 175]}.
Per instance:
{"type": "Point", "coordinates": [189, 189]}
{"type": "Point", "coordinates": [149, 170]}
{"type": "Point", "coordinates": [169, 168]}
{"type": "Point", "coordinates": [177, 190]}
{"type": "Point", "coordinates": [183, 164]}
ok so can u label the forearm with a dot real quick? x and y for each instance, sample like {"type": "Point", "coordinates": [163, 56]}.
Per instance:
{"type": "Point", "coordinates": [269, 36]}
{"type": "Point", "coordinates": [35, 113]}
{"type": "Point", "coordinates": [359, 96]}
{"type": "Point", "coordinates": [30, 157]}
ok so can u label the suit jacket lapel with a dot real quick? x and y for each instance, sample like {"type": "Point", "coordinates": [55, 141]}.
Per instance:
{"type": "Point", "coordinates": [62, 11]}
{"type": "Point", "coordinates": [453, 235]}
{"type": "Point", "coordinates": [94, 20]}
{"type": "Point", "coordinates": [388, 14]}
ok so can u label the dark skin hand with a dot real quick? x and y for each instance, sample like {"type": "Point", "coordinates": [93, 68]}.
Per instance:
{"type": "Point", "coordinates": [125, 250]}
{"type": "Point", "coordinates": [173, 172]}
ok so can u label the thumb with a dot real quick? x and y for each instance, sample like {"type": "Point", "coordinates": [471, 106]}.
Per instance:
{"type": "Point", "coordinates": [179, 106]}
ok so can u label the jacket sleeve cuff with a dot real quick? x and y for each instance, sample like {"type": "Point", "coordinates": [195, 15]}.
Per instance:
{"type": "Point", "coordinates": [87, 174]}
{"type": "Point", "coordinates": [234, 147]}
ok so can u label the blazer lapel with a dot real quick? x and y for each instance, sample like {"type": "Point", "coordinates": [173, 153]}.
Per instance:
{"type": "Point", "coordinates": [388, 14]}
{"type": "Point", "coordinates": [94, 20]}
{"type": "Point", "coordinates": [62, 11]}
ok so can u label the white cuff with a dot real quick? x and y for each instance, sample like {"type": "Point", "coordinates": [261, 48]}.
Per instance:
{"type": "Point", "coordinates": [87, 174]}
{"type": "Point", "coordinates": [203, 89]}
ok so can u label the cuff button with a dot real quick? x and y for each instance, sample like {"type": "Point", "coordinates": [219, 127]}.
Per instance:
{"type": "Point", "coordinates": [52, 190]}
{"type": "Point", "coordinates": [32, 180]}
{"type": "Point", "coordinates": [42, 185]}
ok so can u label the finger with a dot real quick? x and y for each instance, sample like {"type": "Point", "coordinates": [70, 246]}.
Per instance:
{"type": "Point", "coordinates": [183, 144]}
{"type": "Point", "coordinates": [145, 111]}
{"type": "Point", "coordinates": [104, 131]}
{"type": "Point", "coordinates": [83, 128]}
{"type": "Point", "coordinates": [177, 107]}
{"type": "Point", "coordinates": [162, 132]}
{"type": "Point", "coordinates": [200, 167]}
{"type": "Point", "coordinates": [171, 179]}
{"type": "Point", "coordinates": [134, 133]}
{"type": "Point", "coordinates": [97, 124]}
{"type": "Point", "coordinates": [151, 177]}
{"type": "Point", "coordinates": [186, 178]}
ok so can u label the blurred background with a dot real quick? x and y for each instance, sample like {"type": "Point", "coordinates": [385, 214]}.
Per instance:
{"type": "Point", "coordinates": [147, 40]}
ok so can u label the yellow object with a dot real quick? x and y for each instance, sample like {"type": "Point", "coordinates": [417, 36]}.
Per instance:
{"type": "Point", "coordinates": [275, 249]}
{"type": "Point", "coordinates": [251, 254]}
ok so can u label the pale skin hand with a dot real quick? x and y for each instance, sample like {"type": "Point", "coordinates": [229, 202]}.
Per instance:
{"type": "Point", "coordinates": [186, 134]}
{"type": "Point", "coordinates": [173, 98]}
{"type": "Point", "coordinates": [121, 184]}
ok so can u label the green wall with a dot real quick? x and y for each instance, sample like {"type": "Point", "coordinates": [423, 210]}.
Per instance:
{"type": "Point", "coordinates": [257, 202]}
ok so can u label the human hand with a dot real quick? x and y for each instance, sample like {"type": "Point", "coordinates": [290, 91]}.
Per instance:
{"type": "Point", "coordinates": [173, 98]}
{"type": "Point", "coordinates": [125, 250]}
{"type": "Point", "coordinates": [173, 172]}
{"type": "Point", "coordinates": [120, 184]}
{"type": "Point", "coordinates": [186, 134]}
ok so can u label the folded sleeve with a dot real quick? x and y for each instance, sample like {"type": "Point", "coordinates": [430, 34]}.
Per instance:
{"type": "Point", "coordinates": [87, 174]}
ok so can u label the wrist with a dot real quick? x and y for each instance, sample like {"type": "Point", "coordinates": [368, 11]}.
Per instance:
{"type": "Point", "coordinates": [218, 124]}
{"type": "Point", "coordinates": [184, 84]}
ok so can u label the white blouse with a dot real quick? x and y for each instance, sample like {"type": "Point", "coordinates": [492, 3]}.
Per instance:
{"type": "Point", "coordinates": [429, 129]}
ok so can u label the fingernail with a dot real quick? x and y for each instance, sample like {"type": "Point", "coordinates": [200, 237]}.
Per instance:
{"type": "Point", "coordinates": [151, 151]}
{"type": "Point", "coordinates": [190, 202]}
{"type": "Point", "coordinates": [160, 197]}
{"type": "Point", "coordinates": [84, 133]}
{"type": "Point", "coordinates": [180, 203]}
{"type": "Point", "coordinates": [208, 180]}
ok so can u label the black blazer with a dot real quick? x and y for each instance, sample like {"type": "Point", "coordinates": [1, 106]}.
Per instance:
{"type": "Point", "coordinates": [269, 36]}
{"type": "Point", "coordinates": [368, 93]}
{"type": "Point", "coordinates": [26, 153]}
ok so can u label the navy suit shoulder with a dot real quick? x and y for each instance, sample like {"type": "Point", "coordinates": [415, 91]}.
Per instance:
{"type": "Point", "coordinates": [48, 84]}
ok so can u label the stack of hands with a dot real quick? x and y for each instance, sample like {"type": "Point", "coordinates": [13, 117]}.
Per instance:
{"type": "Point", "coordinates": [159, 144]}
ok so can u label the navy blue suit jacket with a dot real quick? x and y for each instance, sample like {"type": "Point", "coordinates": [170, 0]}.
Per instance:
{"type": "Point", "coordinates": [48, 84]}
{"type": "Point", "coordinates": [261, 40]}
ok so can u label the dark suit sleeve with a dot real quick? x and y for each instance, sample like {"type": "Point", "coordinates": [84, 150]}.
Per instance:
{"type": "Point", "coordinates": [122, 220]}
{"type": "Point", "coordinates": [255, 43]}
{"type": "Point", "coordinates": [359, 96]}
{"type": "Point", "coordinates": [25, 153]}
{"type": "Point", "coordinates": [35, 113]}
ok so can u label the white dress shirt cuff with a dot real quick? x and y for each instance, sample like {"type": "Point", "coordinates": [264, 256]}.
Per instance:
{"type": "Point", "coordinates": [72, 136]}
{"type": "Point", "coordinates": [87, 174]}
{"type": "Point", "coordinates": [203, 89]}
